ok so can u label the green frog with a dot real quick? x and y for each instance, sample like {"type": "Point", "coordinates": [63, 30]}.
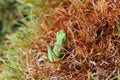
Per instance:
{"type": "Point", "coordinates": [58, 46]}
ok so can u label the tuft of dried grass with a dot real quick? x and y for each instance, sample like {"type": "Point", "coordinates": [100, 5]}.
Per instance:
{"type": "Point", "coordinates": [92, 46]}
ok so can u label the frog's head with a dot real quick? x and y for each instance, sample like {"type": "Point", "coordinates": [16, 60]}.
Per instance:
{"type": "Point", "coordinates": [61, 37]}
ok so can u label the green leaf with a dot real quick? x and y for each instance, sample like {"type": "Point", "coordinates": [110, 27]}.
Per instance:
{"type": "Point", "coordinates": [90, 77]}
{"type": "Point", "coordinates": [99, 49]}
{"type": "Point", "coordinates": [118, 77]}
{"type": "Point", "coordinates": [118, 26]}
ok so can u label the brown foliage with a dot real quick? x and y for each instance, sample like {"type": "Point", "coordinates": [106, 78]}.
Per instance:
{"type": "Point", "coordinates": [92, 42]}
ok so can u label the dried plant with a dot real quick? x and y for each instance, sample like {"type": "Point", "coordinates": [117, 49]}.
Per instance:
{"type": "Point", "coordinates": [92, 46]}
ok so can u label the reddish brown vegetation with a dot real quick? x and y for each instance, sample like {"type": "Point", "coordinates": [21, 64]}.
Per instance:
{"type": "Point", "coordinates": [92, 45]}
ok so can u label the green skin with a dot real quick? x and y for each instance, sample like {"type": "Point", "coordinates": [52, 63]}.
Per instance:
{"type": "Point", "coordinates": [61, 37]}
{"type": "Point", "coordinates": [59, 44]}
{"type": "Point", "coordinates": [50, 54]}
{"type": "Point", "coordinates": [57, 51]}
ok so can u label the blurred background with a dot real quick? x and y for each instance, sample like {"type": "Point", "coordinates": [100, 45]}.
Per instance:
{"type": "Point", "coordinates": [17, 13]}
{"type": "Point", "coordinates": [18, 22]}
